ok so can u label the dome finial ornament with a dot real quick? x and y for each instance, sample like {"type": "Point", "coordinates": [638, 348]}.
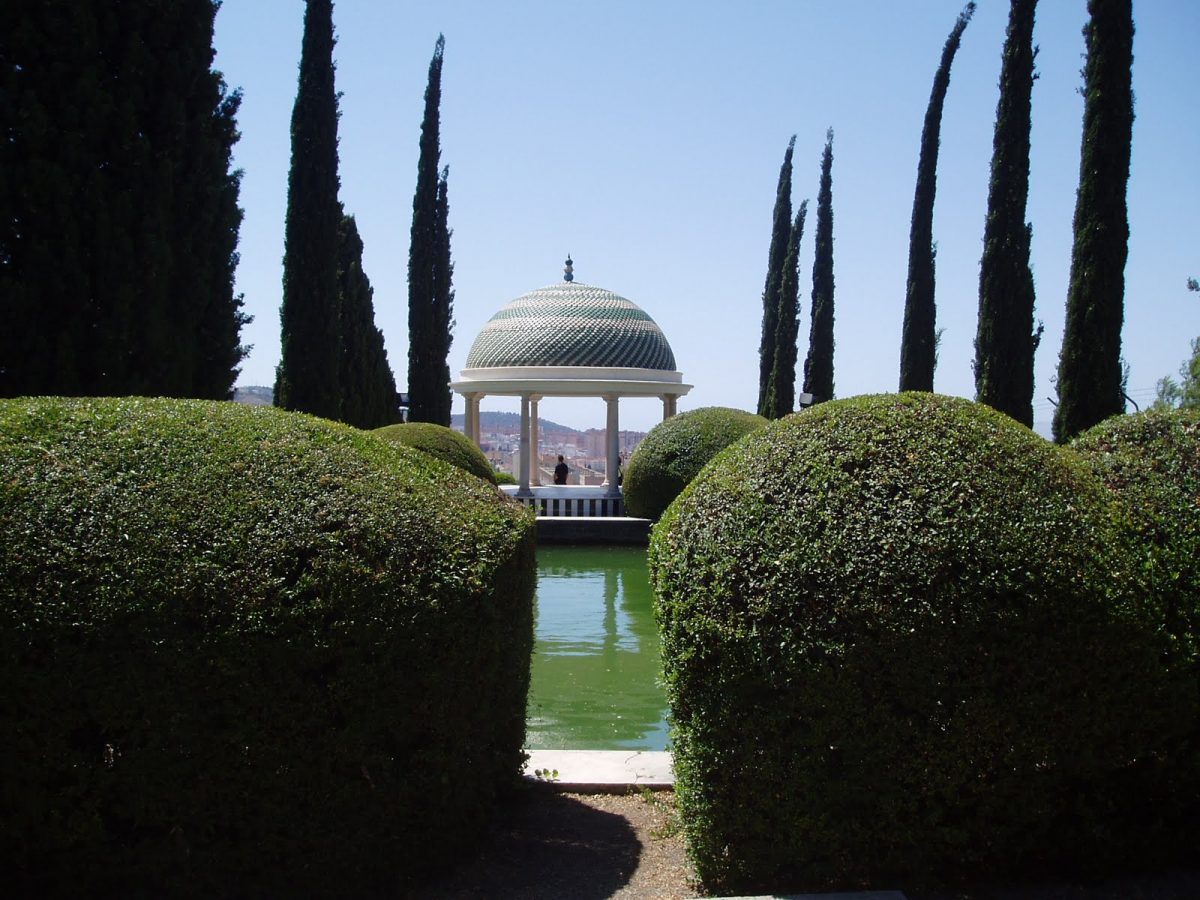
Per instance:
{"type": "Point", "coordinates": [569, 274]}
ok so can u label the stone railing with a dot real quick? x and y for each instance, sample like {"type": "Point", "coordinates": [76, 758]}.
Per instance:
{"type": "Point", "coordinates": [569, 500]}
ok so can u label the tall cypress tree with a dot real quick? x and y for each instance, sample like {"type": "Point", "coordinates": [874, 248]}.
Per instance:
{"type": "Point", "coordinates": [1089, 366]}
{"type": "Point", "coordinates": [442, 314]}
{"type": "Point", "coordinates": [368, 386]}
{"type": "Point", "coordinates": [429, 275]}
{"type": "Point", "coordinates": [118, 209]}
{"type": "Point", "coordinates": [208, 221]}
{"type": "Point", "coordinates": [818, 365]}
{"type": "Point", "coordinates": [918, 350]}
{"type": "Point", "coordinates": [59, 86]}
{"type": "Point", "coordinates": [1005, 338]}
{"type": "Point", "coordinates": [781, 389]}
{"type": "Point", "coordinates": [781, 227]}
{"type": "Point", "coordinates": [307, 377]}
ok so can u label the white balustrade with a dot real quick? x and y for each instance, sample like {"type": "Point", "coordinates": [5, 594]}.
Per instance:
{"type": "Point", "coordinates": [569, 500]}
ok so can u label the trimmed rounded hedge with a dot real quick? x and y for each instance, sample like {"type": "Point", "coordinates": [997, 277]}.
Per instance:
{"type": "Point", "coordinates": [899, 647]}
{"type": "Point", "coordinates": [248, 652]}
{"type": "Point", "coordinates": [675, 450]}
{"type": "Point", "coordinates": [1152, 462]}
{"type": "Point", "coordinates": [443, 443]}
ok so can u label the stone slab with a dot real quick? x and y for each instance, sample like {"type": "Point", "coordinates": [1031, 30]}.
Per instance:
{"type": "Point", "coordinates": [601, 771]}
{"type": "Point", "coordinates": [623, 530]}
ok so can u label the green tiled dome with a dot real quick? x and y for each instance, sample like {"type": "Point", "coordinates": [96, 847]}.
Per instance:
{"type": "Point", "coordinates": [571, 324]}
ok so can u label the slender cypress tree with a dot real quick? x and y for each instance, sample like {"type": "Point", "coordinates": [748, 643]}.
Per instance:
{"type": "Point", "coordinates": [781, 226]}
{"type": "Point", "coordinates": [1005, 338]}
{"type": "Point", "coordinates": [442, 313]}
{"type": "Point", "coordinates": [918, 345]}
{"type": "Point", "coordinates": [118, 209]}
{"type": "Point", "coordinates": [1089, 366]}
{"type": "Point", "coordinates": [307, 377]}
{"type": "Point", "coordinates": [818, 365]}
{"type": "Point", "coordinates": [61, 195]}
{"type": "Point", "coordinates": [204, 315]}
{"type": "Point", "coordinates": [368, 386]}
{"type": "Point", "coordinates": [208, 220]}
{"type": "Point", "coordinates": [781, 389]}
{"type": "Point", "coordinates": [429, 294]}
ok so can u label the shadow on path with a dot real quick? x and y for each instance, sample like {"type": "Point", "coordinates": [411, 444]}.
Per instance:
{"type": "Point", "coordinates": [545, 847]}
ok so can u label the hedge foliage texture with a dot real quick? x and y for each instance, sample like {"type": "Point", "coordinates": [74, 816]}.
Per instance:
{"type": "Point", "coordinates": [1152, 463]}
{"type": "Point", "coordinates": [247, 652]}
{"type": "Point", "coordinates": [442, 443]}
{"type": "Point", "coordinates": [899, 647]}
{"type": "Point", "coordinates": [675, 450]}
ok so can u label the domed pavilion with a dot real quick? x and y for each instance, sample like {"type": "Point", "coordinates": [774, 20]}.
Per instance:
{"type": "Point", "coordinates": [569, 340]}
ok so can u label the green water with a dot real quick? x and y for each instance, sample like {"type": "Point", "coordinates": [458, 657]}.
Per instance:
{"type": "Point", "coordinates": [596, 668]}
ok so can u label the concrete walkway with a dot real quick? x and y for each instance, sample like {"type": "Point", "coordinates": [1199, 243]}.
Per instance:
{"type": "Point", "coordinates": [601, 771]}
{"type": "Point", "coordinates": [619, 771]}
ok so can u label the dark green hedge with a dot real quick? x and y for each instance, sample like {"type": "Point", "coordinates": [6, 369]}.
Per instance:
{"type": "Point", "coordinates": [247, 652]}
{"type": "Point", "coordinates": [443, 443]}
{"type": "Point", "coordinates": [900, 648]}
{"type": "Point", "coordinates": [675, 450]}
{"type": "Point", "coordinates": [1152, 462]}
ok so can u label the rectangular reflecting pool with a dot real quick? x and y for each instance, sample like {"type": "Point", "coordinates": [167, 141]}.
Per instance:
{"type": "Point", "coordinates": [596, 681]}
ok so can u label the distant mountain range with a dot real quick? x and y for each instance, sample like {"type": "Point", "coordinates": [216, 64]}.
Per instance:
{"type": "Point", "coordinates": [254, 395]}
{"type": "Point", "coordinates": [508, 423]}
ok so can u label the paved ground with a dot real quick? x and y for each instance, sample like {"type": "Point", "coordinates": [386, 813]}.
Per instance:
{"type": "Point", "coordinates": [601, 771]}
{"type": "Point", "coordinates": [548, 845]}
{"type": "Point", "coordinates": [557, 846]}
{"type": "Point", "coordinates": [589, 827]}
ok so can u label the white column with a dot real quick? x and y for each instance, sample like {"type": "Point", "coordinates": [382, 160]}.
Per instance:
{"type": "Point", "coordinates": [523, 459]}
{"type": "Point", "coordinates": [612, 436]}
{"type": "Point", "coordinates": [469, 418]}
{"type": "Point", "coordinates": [535, 476]}
{"type": "Point", "coordinates": [475, 420]}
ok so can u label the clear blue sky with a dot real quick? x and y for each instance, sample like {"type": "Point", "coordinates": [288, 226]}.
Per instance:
{"type": "Point", "coordinates": [645, 138]}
